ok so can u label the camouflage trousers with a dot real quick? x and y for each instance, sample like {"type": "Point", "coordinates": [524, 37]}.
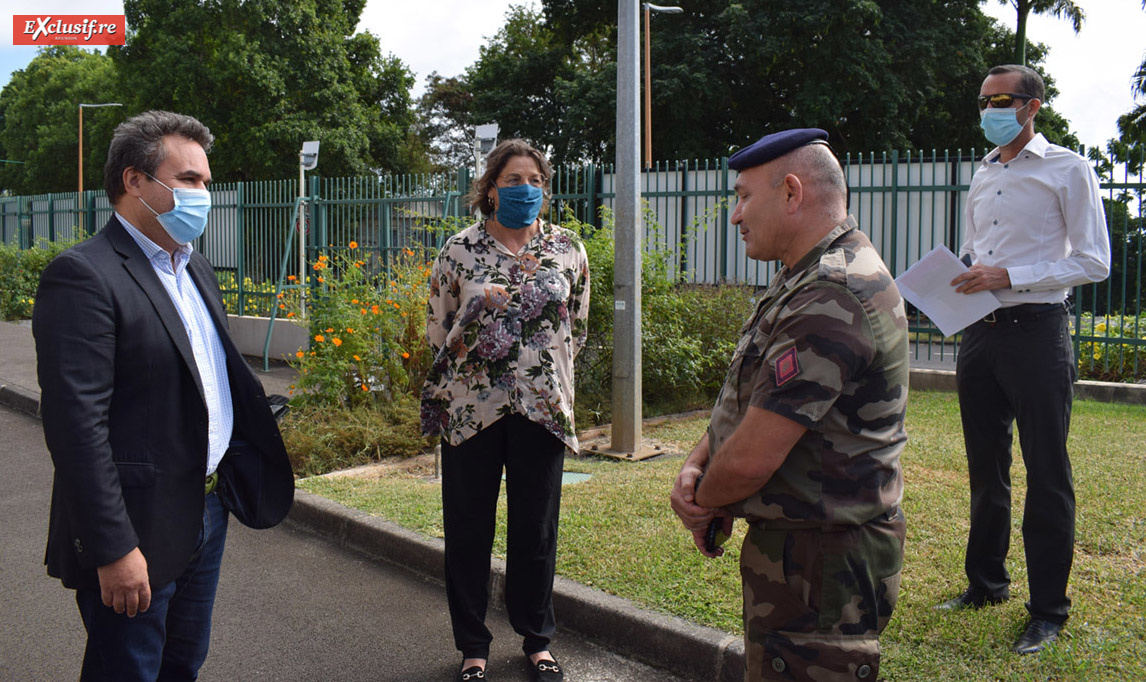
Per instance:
{"type": "Point", "coordinates": [816, 600]}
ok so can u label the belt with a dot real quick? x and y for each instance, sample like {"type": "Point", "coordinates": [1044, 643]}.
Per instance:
{"type": "Point", "coordinates": [1017, 313]}
{"type": "Point", "coordinates": [212, 481]}
{"type": "Point", "coordinates": [792, 524]}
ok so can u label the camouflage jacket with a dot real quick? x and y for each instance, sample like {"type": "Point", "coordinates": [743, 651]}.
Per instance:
{"type": "Point", "coordinates": [827, 348]}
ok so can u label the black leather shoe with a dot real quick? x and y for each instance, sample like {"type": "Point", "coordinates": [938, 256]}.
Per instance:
{"type": "Point", "coordinates": [548, 671]}
{"type": "Point", "coordinates": [972, 598]}
{"type": "Point", "coordinates": [474, 672]}
{"type": "Point", "coordinates": [1038, 634]}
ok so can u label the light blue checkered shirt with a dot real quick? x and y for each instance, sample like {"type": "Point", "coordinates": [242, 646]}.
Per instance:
{"type": "Point", "coordinates": [210, 359]}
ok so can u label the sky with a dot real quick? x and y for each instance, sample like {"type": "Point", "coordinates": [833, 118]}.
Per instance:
{"type": "Point", "coordinates": [1092, 70]}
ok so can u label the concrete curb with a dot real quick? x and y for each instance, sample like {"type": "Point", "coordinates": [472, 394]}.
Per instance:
{"type": "Point", "coordinates": [1099, 391]}
{"type": "Point", "coordinates": [20, 399]}
{"type": "Point", "coordinates": [667, 642]}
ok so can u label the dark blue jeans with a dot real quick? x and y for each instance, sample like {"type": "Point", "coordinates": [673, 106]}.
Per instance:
{"type": "Point", "coordinates": [168, 641]}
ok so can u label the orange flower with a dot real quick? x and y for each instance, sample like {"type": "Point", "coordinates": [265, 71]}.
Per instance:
{"type": "Point", "coordinates": [365, 387]}
{"type": "Point", "coordinates": [363, 310]}
{"type": "Point", "coordinates": [405, 355]}
{"type": "Point", "coordinates": [291, 278]}
{"type": "Point", "coordinates": [319, 266]}
{"type": "Point", "coordinates": [349, 330]}
{"type": "Point", "coordinates": [299, 355]}
{"type": "Point", "coordinates": [321, 279]}
{"type": "Point", "coordinates": [357, 359]}
{"type": "Point", "coordinates": [403, 314]}
{"type": "Point", "coordinates": [319, 337]}
{"type": "Point", "coordinates": [329, 330]}
{"type": "Point", "coordinates": [354, 301]}
{"type": "Point", "coordinates": [279, 295]}
{"type": "Point", "coordinates": [322, 259]}
{"type": "Point", "coordinates": [336, 341]}
{"type": "Point", "coordinates": [374, 309]}
{"type": "Point", "coordinates": [290, 314]}
{"type": "Point", "coordinates": [282, 306]}
{"type": "Point", "coordinates": [353, 245]}
{"type": "Point", "coordinates": [408, 252]}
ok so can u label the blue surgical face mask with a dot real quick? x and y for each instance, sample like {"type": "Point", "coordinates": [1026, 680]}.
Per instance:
{"type": "Point", "coordinates": [1000, 126]}
{"type": "Point", "coordinates": [186, 222]}
{"type": "Point", "coordinates": [518, 206]}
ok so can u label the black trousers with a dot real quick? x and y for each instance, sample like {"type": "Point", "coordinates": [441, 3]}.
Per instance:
{"type": "Point", "coordinates": [471, 479]}
{"type": "Point", "coordinates": [1020, 369]}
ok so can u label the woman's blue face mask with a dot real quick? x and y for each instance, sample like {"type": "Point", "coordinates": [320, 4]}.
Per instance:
{"type": "Point", "coordinates": [518, 206]}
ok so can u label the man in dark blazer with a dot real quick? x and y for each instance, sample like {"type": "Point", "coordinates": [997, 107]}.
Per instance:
{"type": "Point", "coordinates": [157, 427]}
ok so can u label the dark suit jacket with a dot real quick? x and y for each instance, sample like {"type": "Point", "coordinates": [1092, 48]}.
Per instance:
{"type": "Point", "coordinates": [125, 419]}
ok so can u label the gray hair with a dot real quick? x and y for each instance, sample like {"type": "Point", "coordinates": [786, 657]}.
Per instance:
{"type": "Point", "coordinates": [818, 168]}
{"type": "Point", "coordinates": [138, 143]}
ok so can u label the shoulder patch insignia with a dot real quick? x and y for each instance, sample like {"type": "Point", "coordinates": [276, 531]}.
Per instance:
{"type": "Point", "coordinates": [787, 366]}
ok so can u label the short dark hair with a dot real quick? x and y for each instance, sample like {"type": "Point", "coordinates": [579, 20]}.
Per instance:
{"type": "Point", "coordinates": [494, 163]}
{"type": "Point", "coordinates": [1031, 82]}
{"type": "Point", "coordinates": [138, 143]}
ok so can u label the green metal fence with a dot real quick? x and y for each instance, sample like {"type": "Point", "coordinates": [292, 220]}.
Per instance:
{"type": "Point", "coordinates": [907, 204]}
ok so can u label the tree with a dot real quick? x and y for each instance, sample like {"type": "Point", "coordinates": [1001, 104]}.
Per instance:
{"type": "Point", "coordinates": [267, 75]}
{"type": "Point", "coordinates": [445, 121]}
{"type": "Point", "coordinates": [39, 121]}
{"type": "Point", "coordinates": [1056, 8]}
{"type": "Point", "coordinates": [877, 76]}
{"type": "Point", "coordinates": [1131, 145]}
{"type": "Point", "coordinates": [515, 83]}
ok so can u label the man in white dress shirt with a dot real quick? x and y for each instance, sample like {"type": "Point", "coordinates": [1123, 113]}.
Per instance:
{"type": "Point", "coordinates": [1035, 229]}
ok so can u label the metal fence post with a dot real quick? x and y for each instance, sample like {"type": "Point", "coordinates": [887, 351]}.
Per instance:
{"type": "Point", "coordinates": [722, 237]}
{"type": "Point", "coordinates": [24, 232]}
{"type": "Point", "coordinates": [240, 252]}
{"type": "Point", "coordinates": [682, 262]}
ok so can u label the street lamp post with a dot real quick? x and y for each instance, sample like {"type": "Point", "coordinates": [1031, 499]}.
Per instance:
{"type": "Point", "coordinates": [80, 195]}
{"type": "Point", "coordinates": [626, 432]}
{"type": "Point", "coordinates": [649, 8]}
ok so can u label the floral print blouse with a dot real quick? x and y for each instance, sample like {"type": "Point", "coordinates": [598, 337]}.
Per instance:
{"type": "Point", "coordinates": [504, 329]}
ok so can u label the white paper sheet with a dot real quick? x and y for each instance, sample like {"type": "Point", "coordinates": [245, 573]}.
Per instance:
{"type": "Point", "coordinates": [927, 285]}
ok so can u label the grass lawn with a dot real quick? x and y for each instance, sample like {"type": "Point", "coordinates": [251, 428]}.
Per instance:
{"type": "Point", "coordinates": [619, 535]}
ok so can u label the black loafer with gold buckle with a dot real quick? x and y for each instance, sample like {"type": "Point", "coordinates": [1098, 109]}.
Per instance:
{"type": "Point", "coordinates": [474, 672]}
{"type": "Point", "coordinates": [548, 671]}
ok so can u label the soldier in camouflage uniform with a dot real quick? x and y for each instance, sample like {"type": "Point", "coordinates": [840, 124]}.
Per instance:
{"type": "Point", "coordinates": [805, 437]}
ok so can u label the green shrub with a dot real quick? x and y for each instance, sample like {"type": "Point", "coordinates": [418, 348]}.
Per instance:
{"type": "Point", "coordinates": [20, 275]}
{"type": "Point", "coordinates": [367, 344]}
{"type": "Point", "coordinates": [688, 332]}
{"type": "Point", "coordinates": [1117, 351]}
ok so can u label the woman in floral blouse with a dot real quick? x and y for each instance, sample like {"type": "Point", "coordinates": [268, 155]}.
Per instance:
{"type": "Point", "coordinates": [509, 297]}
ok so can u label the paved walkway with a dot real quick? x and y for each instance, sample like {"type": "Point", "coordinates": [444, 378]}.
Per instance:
{"type": "Point", "coordinates": [333, 594]}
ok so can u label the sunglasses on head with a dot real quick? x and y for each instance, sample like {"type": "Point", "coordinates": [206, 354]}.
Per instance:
{"type": "Point", "coordinates": [1003, 100]}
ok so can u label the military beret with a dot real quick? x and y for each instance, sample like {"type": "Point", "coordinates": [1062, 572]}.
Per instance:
{"type": "Point", "coordinates": [774, 146]}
